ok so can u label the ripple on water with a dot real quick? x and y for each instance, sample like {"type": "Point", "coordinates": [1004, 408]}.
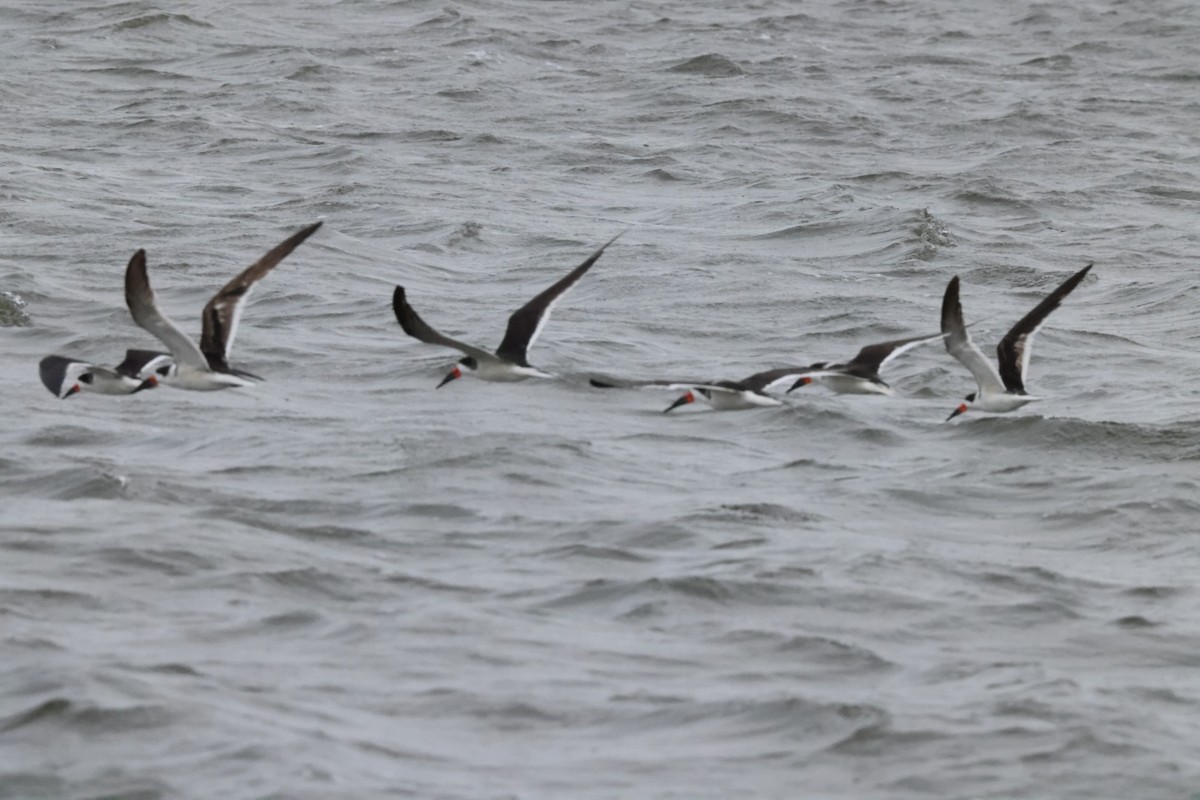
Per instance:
{"type": "Point", "coordinates": [32, 786]}
{"type": "Point", "coordinates": [819, 657]}
{"type": "Point", "coordinates": [72, 436]}
{"type": "Point", "coordinates": [711, 65]}
{"type": "Point", "coordinates": [655, 596]}
{"type": "Point", "coordinates": [35, 602]}
{"type": "Point", "coordinates": [835, 656]}
{"type": "Point", "coordinates": [151, 20]}
{"type": "Point", "coordinates": [1111, 442]}
{"type": "Point", "coordinates": [754, 511]}
{"type": "Point", "coordinates": [592, 553]}
{"type": "Point", "coordinates": [175, 563]}
{"type": "Point", "coordinates": [743, 725]}
{"type": "Point", "coordinates": [88, 719]}
{"type": "Point", "coordinates": [308, 582]}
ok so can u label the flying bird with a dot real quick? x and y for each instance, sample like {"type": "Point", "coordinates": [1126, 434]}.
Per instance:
{"type": "Point", "coordinates": [141, 369]}
{"type": "Point", "coordinates": [1003, 391]}
{"type": "Point", "coordinates": [510, 361]}
{"type": "Point", "coordinates": [722, 395]}
{"type": "Point", "coordinates": [204, 367]}
{"type": "Point", "coordinates": [860, 375]}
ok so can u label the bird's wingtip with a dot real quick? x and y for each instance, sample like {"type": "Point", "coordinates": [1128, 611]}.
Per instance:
{"type": "Point", "coordinates": [613, 239]}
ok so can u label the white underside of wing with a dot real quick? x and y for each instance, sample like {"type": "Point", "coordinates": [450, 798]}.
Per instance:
{"type": "Point", "coordinates": [959, 344]}
{"type": "Point", "coordinates": [905, 348]}
{"type": "Point", "coordinates": [73, 371]}
{"type": "Point", "coordinates": [477, 353]}
{"type": "Point", "coordinates": [1026, 346]}
{"type": "Point", "coordinates": [153, 365]}
{"type": "Point", "coordinates": [541, 323]}
{"type": "Point", "coordinates": [706, 386]}
{"type": "Point", "coordinates": [792, 377]}
{"type": "Point", "coordinates": [183, 349]}
{"type": "Point", "coordinates": [235, 319]}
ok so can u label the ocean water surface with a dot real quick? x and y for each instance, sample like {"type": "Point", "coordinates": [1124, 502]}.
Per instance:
{"type": "Point", "coordinates": [345, 583]}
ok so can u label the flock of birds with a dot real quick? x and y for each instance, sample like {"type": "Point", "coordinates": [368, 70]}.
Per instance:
{"type": "Point", "coordinates": [205, 366]}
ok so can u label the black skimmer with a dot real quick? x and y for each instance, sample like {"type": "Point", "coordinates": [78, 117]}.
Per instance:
{"type": "Point", "coordinates": [141, 369]}
{"type": "Point", "coordinates": [749, 392]}
{"type": "Point", "coordinates": [510, 361]}
{"type": "Point", "coordinates": [1003, 391]}
{"type": "Point", "coordinates": [204, 367]}
{"type": "Point", "coordinates": [860, 375]}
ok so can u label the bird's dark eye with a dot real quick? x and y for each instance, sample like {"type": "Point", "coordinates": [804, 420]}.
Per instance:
{"type": "Point", "coordinates": [86, 378]}
{"type": "Point", "coordinates": [163, 371]}
{"type": "Point", "coordinates": [468, 362]}
{"type": "Point", "coordinates": [970, 398]}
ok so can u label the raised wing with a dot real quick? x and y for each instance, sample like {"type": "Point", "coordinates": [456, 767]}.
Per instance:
{"type": "Point", "coordinates": [1017, 345]}
{"type": "Point", "coordinates": [417, 328]}
{"type": "Point", "coordinates": [762, 381]}
{"type": "Point", "coordinates": [224, 311]}
{"type": "Point", "coordinates": [140, 299]}
{"type": "Point", "coordinates": [140, 364]}
{"type": "Point", "coordinates": [959, 344]}
{"type": "Point", "coordinates": [526, 323]}
{"type": "Point", "coordinates": [875, 356]}
{"type": "Point", "coordinates": [59, 374]}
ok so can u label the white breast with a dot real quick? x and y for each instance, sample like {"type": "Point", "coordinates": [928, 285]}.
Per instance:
{"type": "Point", "coordinates": [1001, 403]}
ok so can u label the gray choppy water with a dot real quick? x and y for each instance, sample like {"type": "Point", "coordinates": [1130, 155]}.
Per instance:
{"type": "Point", "coordinates": [345, 584]}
